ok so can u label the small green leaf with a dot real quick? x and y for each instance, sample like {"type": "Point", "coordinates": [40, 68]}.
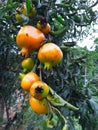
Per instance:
{"type": "Point", "coordinates": [59, 32]}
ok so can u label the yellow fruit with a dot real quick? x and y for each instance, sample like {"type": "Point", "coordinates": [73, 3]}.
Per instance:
{"type": "Point", "coordinates": [19, 17]}
{"type": "Point", "coordinates": [28, 80]}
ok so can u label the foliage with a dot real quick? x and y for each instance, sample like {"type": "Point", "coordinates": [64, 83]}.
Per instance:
{"type": "Point", "coordinates": [74, 79]}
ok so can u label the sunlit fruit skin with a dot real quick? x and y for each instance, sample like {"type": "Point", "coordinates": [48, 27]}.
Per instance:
{"type": "Point", "coordinates": [50, 55]}
{"type": "Point", "coordinates": [38, 106]}
{"type": "Point", "coordinates": [27, 64]}
{"type": "Point", "coordinates": [44, 28]}
{"type": "Point", "coordinates": [28, 80]}
{"type": "Point", "coordinates": [39, 90]}
{"type": "Point", "coordinates": [28, 39]}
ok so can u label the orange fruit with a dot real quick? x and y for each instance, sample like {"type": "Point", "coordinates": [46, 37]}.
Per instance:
{"type": "Point", "coordinates": [38, 106]}
{"type": "Point", "coordinates": [50, 55]}
{"type": "Point", "coordinates": [39, 90]}
{"type": "Point", "coordinates": [28, 80]}
{"type": "Point", "coordinates": [29, 39]}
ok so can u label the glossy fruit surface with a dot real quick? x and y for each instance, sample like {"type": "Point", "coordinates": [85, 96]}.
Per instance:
{"type": "Point", "coordinates": [39, 90]}
{"type": "Point", "coordinates": [28, 80]}
{"type": "Point", "coordinates": [27, 64]}
{"type": "Point", "coordinates": [44, 28]}
{"type": "Point", "coordinates": [38, 106]}
{"type": "Point", "coordinates": [28, 39]}
{"type": "Point", "coordinates": [50, 55]}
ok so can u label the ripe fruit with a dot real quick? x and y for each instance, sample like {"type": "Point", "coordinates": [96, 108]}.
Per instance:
{"type": "Point", "coordinates": [28, 64]}
{"type": "Point", "coordinates": [50, 55]}
{"type": "Point", "coordinates": [38, 106]}
{"type": "Point", "coordinates": [45, 28]}
{"type": "Point", "coordinates": [28, 39]}
{"type": "Point", "coordinates": [28, 80]}
{"type": "Point", "coordinates": [39, 90]}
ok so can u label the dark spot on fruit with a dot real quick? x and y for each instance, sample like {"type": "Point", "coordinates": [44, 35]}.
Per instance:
{"type": "Point", "coordinates": [27, 34]}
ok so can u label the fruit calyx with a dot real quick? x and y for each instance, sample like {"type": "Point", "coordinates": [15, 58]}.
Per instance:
{"type": "Point", "coordinates": [39, 90]}
{"type": "Point", "coordinates": [24, 52]}
{"type": "Point", "coordinates": [47, 65]}
{"type": "Point", "coordinates": [21, 76]}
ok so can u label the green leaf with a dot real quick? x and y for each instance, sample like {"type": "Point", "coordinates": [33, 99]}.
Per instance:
{"type": "Point", "coordinates": [59, 32]}
{"type": "Point", "coordinates": [56, 100]}
{"type": "Point", "coordinates": [28, 6]}
{"type": "Point", "coordinates": [93, 105]}
{"type": "Point", "coordinates": [70, 44]}
{"type": "Point", "coordinates": [61, 20]}
{"type": "Point", "coordinates": [53, 121]}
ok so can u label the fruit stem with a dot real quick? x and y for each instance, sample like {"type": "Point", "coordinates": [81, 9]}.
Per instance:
{"type": "Point", "coordinates": [40, 75]}
{"type": "Point", "coordinates": [65, 127]}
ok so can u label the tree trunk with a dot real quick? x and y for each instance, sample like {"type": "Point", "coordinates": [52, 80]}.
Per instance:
{"type": "Point", "coordinates": [1, 110]}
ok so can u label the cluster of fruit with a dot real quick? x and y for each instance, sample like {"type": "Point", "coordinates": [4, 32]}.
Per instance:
{"type": "Point", "coordinates": [29, 39]}
{"type": "Point", "coordinates": [38, 91]}
{"type": "Point", "coordinates": [22, 13]}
